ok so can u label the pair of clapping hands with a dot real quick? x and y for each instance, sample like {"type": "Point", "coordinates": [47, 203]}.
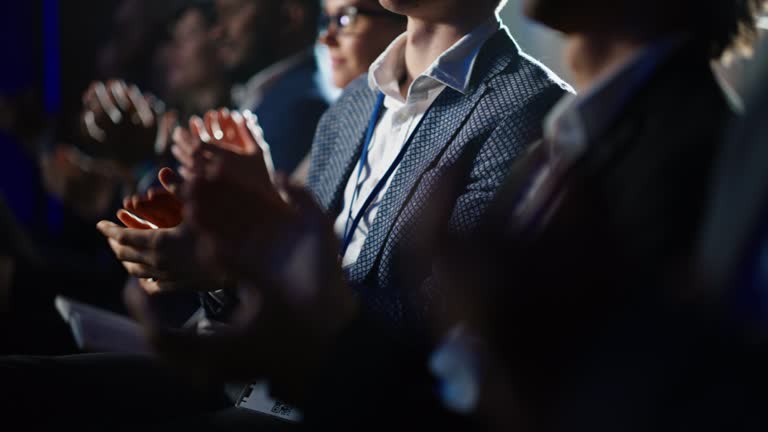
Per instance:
{"type": "Point", "coordinates": [126, 122]}
{"type": "Point", "coordinates": [224, 167]}
{"type": "Point", "coordinates": [224, 218]}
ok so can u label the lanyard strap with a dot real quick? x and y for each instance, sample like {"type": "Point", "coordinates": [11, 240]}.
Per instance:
{"type": "Point", "coordinates": [360, 166]}
{"type": "Point", "coordinates": [352, 223]}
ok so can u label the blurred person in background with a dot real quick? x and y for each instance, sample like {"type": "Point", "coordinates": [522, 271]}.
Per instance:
{"type": "Point", "coordinates": [195, 78]}
{"type": "Point", "coordinates": [731, 266]}
{"type": "Point", "coordinates": [356, 32]}
{"type": "Point", "coordinates": [267, 47]}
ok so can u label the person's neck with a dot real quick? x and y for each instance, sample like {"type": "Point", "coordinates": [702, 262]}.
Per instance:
{"type": "Point", "coordinates": [426, 41]}
{"type": "Point", "coordinates": [591, 57]}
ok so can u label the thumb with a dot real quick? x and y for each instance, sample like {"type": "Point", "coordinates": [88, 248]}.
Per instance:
{"type": "Point", "coordinates": [170, 180]}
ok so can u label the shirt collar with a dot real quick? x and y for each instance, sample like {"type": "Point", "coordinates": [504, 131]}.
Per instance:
{"type": "Point", "coordinates": [453, 68]}
{"type": "Point", "coordinates": [250, 94]}
{"type": "Point", "coordinates": [578, 119]}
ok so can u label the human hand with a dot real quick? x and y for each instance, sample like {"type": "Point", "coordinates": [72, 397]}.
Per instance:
{"type": "Point", "coordinates": [294, 304]}
{"type": "Point", "coordinates": [121, 118]}
{"type": "Point", "coordinates": [158, 208]}
{"type": "Point", "coordinates": [232, 218]}
{"type": "Point", "coordinates": [163, 259]}
{"type": "Point", "coordinates": [228, 138]}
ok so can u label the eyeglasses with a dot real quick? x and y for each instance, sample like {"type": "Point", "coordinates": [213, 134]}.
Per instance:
{"type": "Point", "coordinates": [344, 22]}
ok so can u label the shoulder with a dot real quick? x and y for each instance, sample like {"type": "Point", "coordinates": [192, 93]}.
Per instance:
{"type": "Point", "coordinates": [355, 96]}
{"type": "Point", "coordinates": [516, 77]}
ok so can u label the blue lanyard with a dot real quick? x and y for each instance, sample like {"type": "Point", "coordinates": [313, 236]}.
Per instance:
{"type": "Point", "coordinates": [351, 225]}
{"type": "Point", "coordinates": [348, 231]}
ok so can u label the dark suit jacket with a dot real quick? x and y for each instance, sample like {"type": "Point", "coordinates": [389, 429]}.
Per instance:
{"type": "Point", "coordinates": [492, 124]}
{"type": "Point", "coordinates": [289, 113]}
{"type": "Point", "coordinates": [591, 304]}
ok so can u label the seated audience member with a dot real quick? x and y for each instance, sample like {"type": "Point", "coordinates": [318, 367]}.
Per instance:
{"type": "Point", "coordinates": [461, 96]}
{"type": "Point", "coordinates": [195, 80]}
{"type": "Point", "coordinates": [731, 268]}
{"type": "Point", "coordinates": [576, 284]}
{"type": "Point", "coordinates": [267, 47]}
{"type": "Point", "coordinates": [355, 32]}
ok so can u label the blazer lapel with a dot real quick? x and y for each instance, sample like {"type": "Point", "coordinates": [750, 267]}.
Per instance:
{"type": "Point", "coordinates": [440, 126]}
{"type": "Point", "coordinates": [345, 151]}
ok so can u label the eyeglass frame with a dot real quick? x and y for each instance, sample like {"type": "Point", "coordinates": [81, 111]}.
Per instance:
{"type": "Point", "coordinates": [326, 21]}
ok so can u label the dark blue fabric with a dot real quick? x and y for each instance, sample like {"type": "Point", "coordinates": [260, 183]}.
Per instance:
{"type": "Point", "coordinates": [749, 296]}
{"type": "Point", "coordinates": [289, 113]}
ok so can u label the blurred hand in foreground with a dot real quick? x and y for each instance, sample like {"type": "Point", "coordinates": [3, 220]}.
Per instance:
{"type": "Point", "coordinates": [294, 304]}
{"type": "Point", "coordinates": [155, 245]}
{"type": "Point", "coordinates": [158, 208]}
{"type": "Point", "coordinates": [228, 138]}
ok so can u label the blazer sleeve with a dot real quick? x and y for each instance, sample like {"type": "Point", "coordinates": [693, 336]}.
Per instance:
{"type": "Point", "coordinates": [482, 173]}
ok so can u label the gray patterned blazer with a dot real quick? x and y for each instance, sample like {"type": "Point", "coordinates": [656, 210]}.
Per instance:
{"type": "Point", "coordinates": [500, 115]}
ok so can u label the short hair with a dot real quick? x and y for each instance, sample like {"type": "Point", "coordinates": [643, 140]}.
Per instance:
{"type": "Point", "coordinates": [728, 26]}
{"type": "Point", "coordinates": [206, 8]}
{"type": "Point", "coordinates": [312, 9]}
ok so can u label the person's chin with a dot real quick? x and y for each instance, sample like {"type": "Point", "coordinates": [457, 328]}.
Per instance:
{"type": "Point", "coordinates": [341, 79]}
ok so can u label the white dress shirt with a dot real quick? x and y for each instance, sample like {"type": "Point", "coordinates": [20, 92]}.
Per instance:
{"type": "Point", "coordinates": [401, 117]}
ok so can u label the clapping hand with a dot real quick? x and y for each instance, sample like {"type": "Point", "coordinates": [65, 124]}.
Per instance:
{"type": "Point", "coordinates": [123, 119]}
{"type": "Point", "coordinates": [294, 303]}
{"type": "Point", "coordinates": [156, 246]}
{"type": "Point", "coordinates": [158, 208]}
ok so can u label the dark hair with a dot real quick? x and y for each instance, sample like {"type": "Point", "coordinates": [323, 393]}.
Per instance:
{"type": "Point", "coordinates": [313, 8]}
{"type": "Point", "coordinates": [728, 26]}
{"type": "Point", "coordinates": [206, 7]}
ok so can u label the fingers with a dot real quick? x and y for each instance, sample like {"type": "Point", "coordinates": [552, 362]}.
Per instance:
{"type": "Point", "coordinates": [161, 208]}
{"type": "Point", "coordinates": [143, 271]}
{"type": "Point", "coordinates": [158, 208]}
{"type": "Point", "coordinates": [119, 93]}
{"type": "Point", "coordinates": [184, 147]}
{"type": "Point", "coordinates": [135, 238]}
{"type": "Point", "coordinates": [250, 133]}
{"type": "Point", "coordinates": [131, 255]}
{"type": "Point", "coordinates": [227, 122]}
{"type": "Point", "coordinates": [198, 129]}
{"type": "Point", "coordinates": [144, 114]}
{"type": "Point", "coordinates": [170, 180]}
{"type": "Point", "coordinates": [212, 127]}
{"type": "Point", "coordinates": [104, 98]}
{"type": "Point", "coordinates": [252, 124]}
{"type": "Point", "coordinates": [167, 125]}
{"type": "Point", "coordinates": [131, 221]}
